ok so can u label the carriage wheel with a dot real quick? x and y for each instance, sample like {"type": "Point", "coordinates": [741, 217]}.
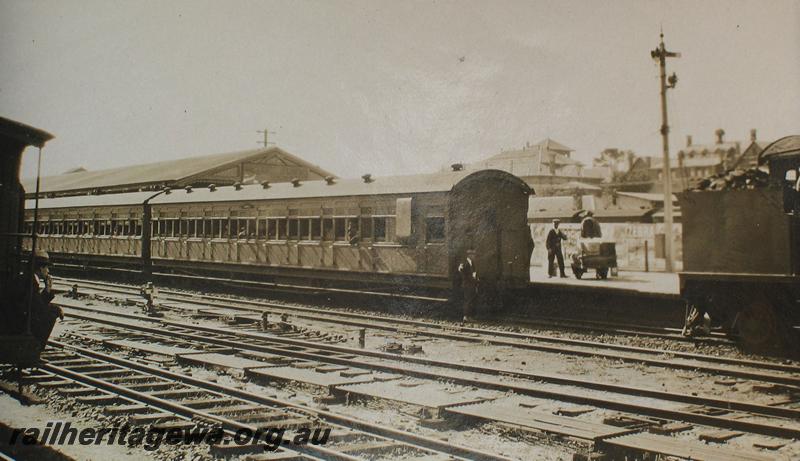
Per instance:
{"type": "Point", "coordinates": [577, 271]}
{"type": "Point", "coordinates": [602, 273]}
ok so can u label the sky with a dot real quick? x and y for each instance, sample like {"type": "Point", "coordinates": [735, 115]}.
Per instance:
{"type": "Point", "coordinates": [389, 87]}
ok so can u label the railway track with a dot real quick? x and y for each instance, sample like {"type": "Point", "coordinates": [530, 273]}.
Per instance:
{"type": "Point", "coordinates": [746, 369]}
{"type": "Point", "coordinates": [153, 396]}
{"type": "Point", "coordinates": [568, 390]}
{"type": "Point", "coordinates": [672, 334]}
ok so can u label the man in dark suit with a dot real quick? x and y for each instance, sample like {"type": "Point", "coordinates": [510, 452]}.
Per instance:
{"type": "Point", "coordinates": [469, 284]}
{"type": "Point", "coordinates": [554, 238]}
{"type": "Point", "coordinates": [590, 228]}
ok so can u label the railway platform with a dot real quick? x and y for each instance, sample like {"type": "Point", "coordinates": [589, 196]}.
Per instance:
{"type": "Point", "coordinates": [647, 298]}
{"type": "Point", "coordinates": [645, 283]}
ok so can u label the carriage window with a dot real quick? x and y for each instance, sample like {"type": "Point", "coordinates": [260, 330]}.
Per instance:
{"type": "Point", "coordinates": [340, 227]}
{"type": "Point", "coordinates": [281, 229]}
{"type": "Point", "coordinates": [191, 227]}
{"type": "Point", "coordinates": [251, 228]}
{"type": "Point", "coordinates": [352, 230]}
{"type": "Point", "coordinates": [316, 229]}
{"type": "Point", "coordinates": [390, 229]}
{"type": "Point", "coordinates": [434, 229]}
{"type": "Point", "coordinates": [304, 229]}
{"type": "Point", "coordinates": [261, 231]}
{"type": "Point", "coordinates": [327, 229]}
{"type": "Point", "coordinates": [366, 228]}
{"type": "Point", "coordinates": [379, 229]}
{"type": "Point", "coordinates": [272, 229]}
{"type": "Point", "coordinates": [293, 229]}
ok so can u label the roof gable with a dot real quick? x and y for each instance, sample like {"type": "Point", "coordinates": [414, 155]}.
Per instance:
{"type": "Point", "coordinates": [168, 172]}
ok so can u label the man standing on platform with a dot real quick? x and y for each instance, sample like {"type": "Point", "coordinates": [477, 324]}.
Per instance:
{"type": "Point", "coordinates": [469, 284]}
{"type": "Point", "coordinates": [554, 238]}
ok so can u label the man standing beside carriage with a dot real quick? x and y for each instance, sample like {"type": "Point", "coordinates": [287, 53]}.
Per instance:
{"type": "Point", "coordinates": [554, 251]}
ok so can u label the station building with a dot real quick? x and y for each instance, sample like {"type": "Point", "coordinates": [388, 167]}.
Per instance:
{"type": "Point", "coordinates": [545, 166]}
{"type": "Point", "coordinates": [271, 164]}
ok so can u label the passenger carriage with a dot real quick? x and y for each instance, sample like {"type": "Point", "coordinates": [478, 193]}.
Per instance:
{"type": "Point", "coordinates": [403, 232]}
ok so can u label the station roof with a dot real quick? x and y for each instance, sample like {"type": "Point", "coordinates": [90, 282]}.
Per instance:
{"type": "Point", "coordinates": [159, 174]}
{"type": "Point", "coordinates": [389, 185]}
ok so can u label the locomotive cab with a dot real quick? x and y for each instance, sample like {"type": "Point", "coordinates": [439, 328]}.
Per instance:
{"type": "Point", "coordinates": [21, 328]}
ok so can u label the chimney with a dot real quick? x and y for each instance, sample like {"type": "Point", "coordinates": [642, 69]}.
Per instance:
{"type": "Point", "coordinates": [237, 185]}
{"type": "Point", "coordinates": [457, 166]}
{"type": "Point", "coordinates": [330, 180]}
{"type": "Point", "coordinates": [295, 182]}
{"type": "Point", "coordinates": [367, 178]}
{"type": "Point", "coordinates": [265, 184]}
{"type": "Point", "coordinates": [753, 135]}
{"type": "Point", "coordinates": [720, 134]}
{"type": "Point", "coordinates": [688, 140]}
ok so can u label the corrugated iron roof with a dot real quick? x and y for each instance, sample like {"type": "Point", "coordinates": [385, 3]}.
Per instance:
{"type": "Point", "coordinates": [92, 201]}
{"type": "Point", "coordinates": [545, 146]}
{"type": "Point", "coordinates": [398, 185]}
{"type": "Point", "coordinates": [647, 196]}
{"type": "Point", "coordinates": [710, 159]}
{"type": "Point", "coordinates": [564, 207]}
{"type": "Point", "coordinates": [169, 171]}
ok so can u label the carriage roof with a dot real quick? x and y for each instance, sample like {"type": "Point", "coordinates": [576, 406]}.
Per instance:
{"type": "Point", "coordinates": [390, 185]}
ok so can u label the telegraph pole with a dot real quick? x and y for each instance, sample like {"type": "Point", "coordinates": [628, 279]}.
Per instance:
{"type": "Point", "coordinates": [266, 133]}
{"type": "Point", "coordinates": [661, 54]}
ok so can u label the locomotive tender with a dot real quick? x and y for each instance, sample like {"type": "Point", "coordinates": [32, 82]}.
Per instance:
{"type": "Point", "coordinates": [742, 253]}
{"type": "Point", "coordinates": [403, 232]}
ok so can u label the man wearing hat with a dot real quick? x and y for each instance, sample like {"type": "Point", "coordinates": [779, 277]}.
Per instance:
{"type": "Point", "coordinates": [44, 313]}
{"type": "Point", "coordinates": [41, 275]}
{"type": "Point", "coordinates": [590, 228]}
{"type": "Point", "coordinates": [553, 245]}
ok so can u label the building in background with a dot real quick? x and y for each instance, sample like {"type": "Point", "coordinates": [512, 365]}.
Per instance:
{"type": "Point", "coordinates": [692, 163]}
{"type": "Point", "coordinates": [543, 166]}
{"type": "Point", "coordinates": [749, 157]}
